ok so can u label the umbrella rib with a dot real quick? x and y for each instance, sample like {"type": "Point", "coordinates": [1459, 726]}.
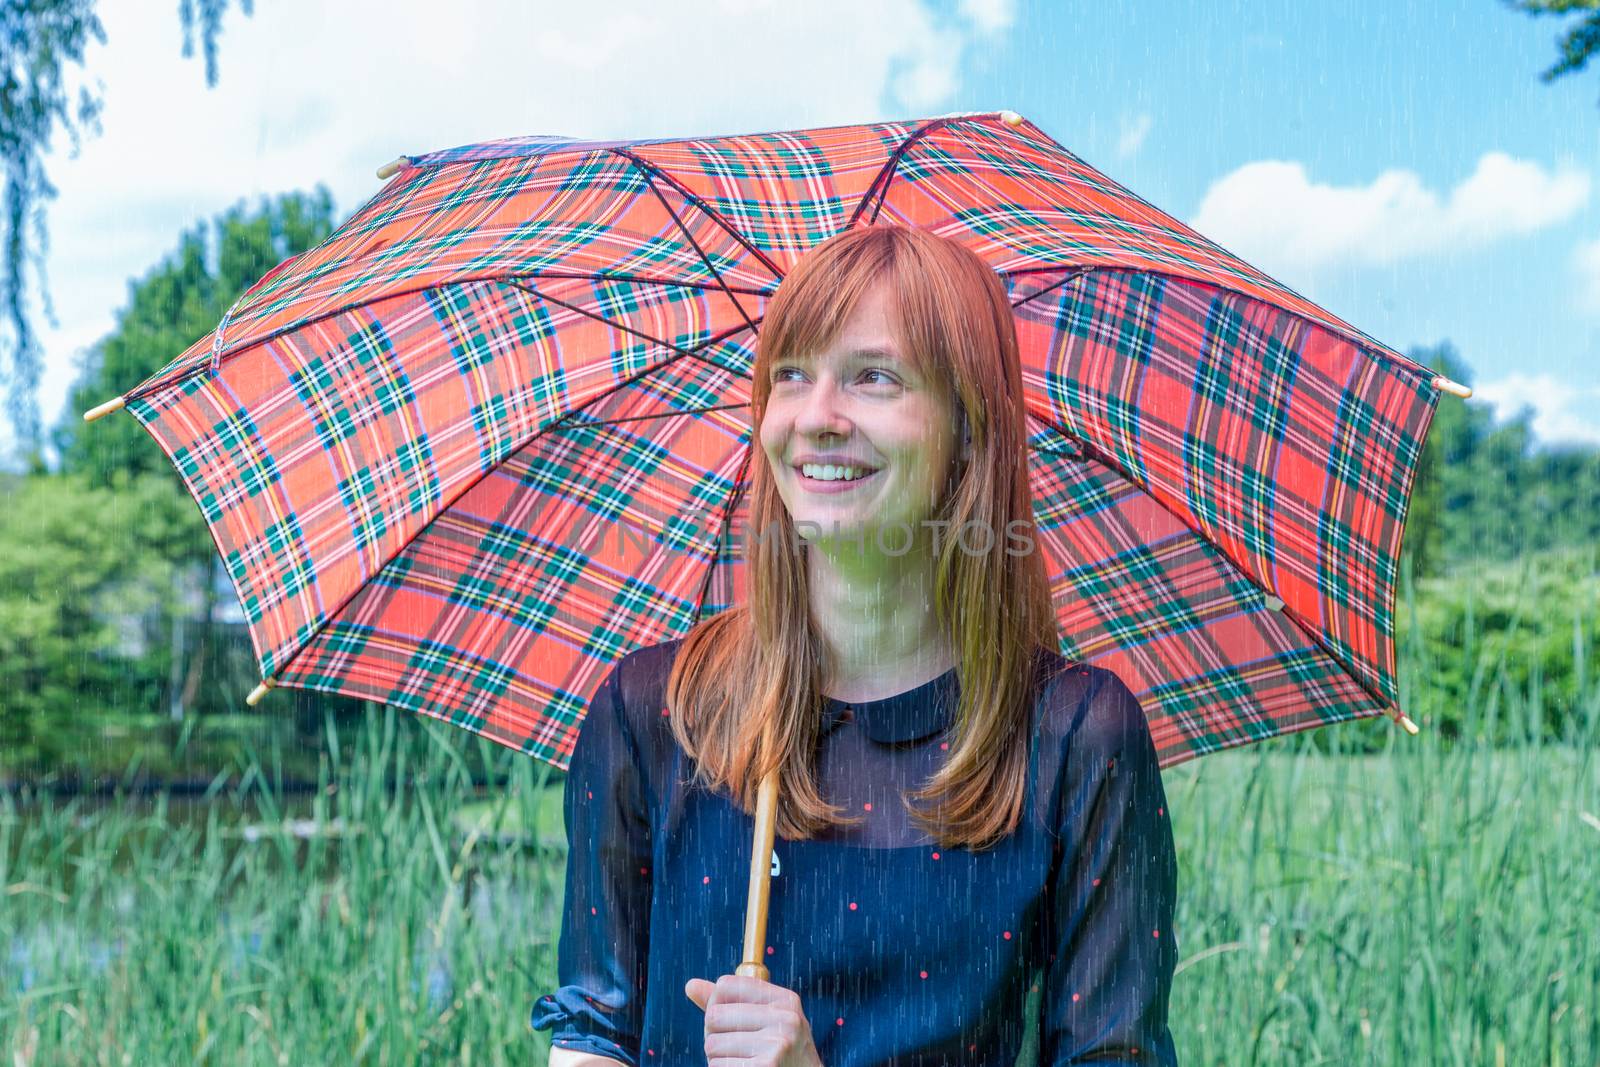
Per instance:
{"type": "Point", "coordinates": [684, 229]}
{"type": "Point", "coordinates": [1065, 280]}
{"type": "Point", "coordinates": [666, 414]}
{"type": "Point", "coordinates": [886, 173]}
{"type": "Point", "coordinates": [1090, 451]}
{"type": "Point", "coordinates": [711, 213]}
{"type": "Point", "coordinates": [643, 279]}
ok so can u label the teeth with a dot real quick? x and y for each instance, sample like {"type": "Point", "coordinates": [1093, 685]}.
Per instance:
{"type": "Point", "coordinates": [827, 472]}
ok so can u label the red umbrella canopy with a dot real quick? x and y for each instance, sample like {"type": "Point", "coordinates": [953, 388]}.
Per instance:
{"type": "Point", "coordinates": [494, 432]}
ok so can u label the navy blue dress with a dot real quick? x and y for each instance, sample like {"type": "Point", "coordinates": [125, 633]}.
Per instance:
{"type": "Point", "coordinates": [902, 952]}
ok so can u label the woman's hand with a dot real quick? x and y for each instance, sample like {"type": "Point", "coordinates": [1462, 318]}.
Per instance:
{"type": "Point", "coordinates": [753, 1023]}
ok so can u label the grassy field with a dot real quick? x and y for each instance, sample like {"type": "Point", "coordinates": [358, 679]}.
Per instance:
{"type": "Point", "coordinates": [1431, 903]}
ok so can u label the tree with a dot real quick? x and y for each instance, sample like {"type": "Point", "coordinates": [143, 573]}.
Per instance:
{"type": "Point", "coordinates": [83, 572]}
{"type": "Point", "coordinates": [1581, 40]}
{"type": "Point", "coordinates": [1424, 540]}
{"type": "Point", "coordinates": [114, 468]}
{"type": "Point", "coordinates": [41, 43]}
{"type": "Point", "coordinates": [1483, 492]}
{"type": "Point", "coordinates": [178, 302]}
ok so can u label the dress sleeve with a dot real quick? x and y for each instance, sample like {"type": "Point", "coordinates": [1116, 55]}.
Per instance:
{"type": "Point", "coordinates": [605, 917]}
{"type": "Point", "coordinates": [1110, 951]}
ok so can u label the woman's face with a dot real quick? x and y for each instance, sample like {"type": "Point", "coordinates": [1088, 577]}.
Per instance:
{"type": "Point", "coordinates": [859, 403]}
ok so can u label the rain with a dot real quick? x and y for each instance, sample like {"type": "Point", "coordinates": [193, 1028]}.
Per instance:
{"type": "Point", "coordinates": [380, 440]}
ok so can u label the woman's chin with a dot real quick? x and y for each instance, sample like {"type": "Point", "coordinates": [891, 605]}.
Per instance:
{"type": "Point", "coordinates": [820, 526]}
{"type": "Point", "coordinates": [851, 535]}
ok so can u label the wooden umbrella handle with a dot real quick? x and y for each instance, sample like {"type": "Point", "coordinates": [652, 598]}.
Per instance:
{"type": "Point", "coordinates": [755, 914]}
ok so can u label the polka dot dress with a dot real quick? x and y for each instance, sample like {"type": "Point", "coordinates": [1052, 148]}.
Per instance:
{"type": "Point", "coordinates": [902, 951]}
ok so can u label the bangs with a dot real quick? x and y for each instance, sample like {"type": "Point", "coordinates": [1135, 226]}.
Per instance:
{"type": "Point", "coordinates": [827, 286]}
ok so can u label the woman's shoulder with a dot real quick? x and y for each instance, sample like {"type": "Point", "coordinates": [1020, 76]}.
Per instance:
{"type": "Point", "coordinates": [643, 671]}
{"type": "Point", "coordinates": [624, 727]}
{"type": "Point", "coordinates": [1092, 729]}
{"type": "Point", "coordinates": [1089, 707]}
{"type": "Point", "coordinates": [639, 683]}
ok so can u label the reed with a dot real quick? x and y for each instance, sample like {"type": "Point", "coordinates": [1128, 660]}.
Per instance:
{"type": "Point", "coordinates": [1431, 902]}
{"type": "Point", "coordinates": [368, 927]}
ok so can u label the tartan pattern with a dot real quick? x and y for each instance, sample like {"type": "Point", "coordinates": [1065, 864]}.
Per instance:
{"type": "Point", "coordinates": [530, 206]}
{"type": "Point", "coordinates": [1138, 591]}
{"type": "Point", "coordinates": [1290, 451]}
{"type": "Point", "coordinates": [495, 431]}
{"type": "Point", "coordinates": [628, 519]}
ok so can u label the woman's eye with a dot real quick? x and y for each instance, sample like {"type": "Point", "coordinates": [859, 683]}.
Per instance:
{"type": "Point", "coordinates": [783, 374]}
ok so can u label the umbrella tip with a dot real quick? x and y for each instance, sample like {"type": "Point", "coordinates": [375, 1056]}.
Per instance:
{"type": "Point", "coordinates": [101, 410]}
{"type": "Point", "coordinates": [1011, 118]}
{"type": "Point", "coordinates": [1445, 385]}
{"type": "Point", "coordinates": [1403, 719]}
{"type": "Point", "coordinates": [258, 692]}
{"type": "Point", "coordinates": [391, 168]}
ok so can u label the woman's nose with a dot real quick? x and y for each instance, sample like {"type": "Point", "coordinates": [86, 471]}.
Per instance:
{"type": "Point", "coordinates": [821, 411]}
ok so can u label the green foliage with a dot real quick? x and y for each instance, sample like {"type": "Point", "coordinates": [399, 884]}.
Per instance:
{"type": "Point", "coordinates": [1423, 543]}
{"type": "Point", "coordinates": [1581, 39]}
{"type": "Point", "coordinates": [206, 16]}
{"type": "Point", "coordinates": [1519, 640]}
{"type": "Point", "coordinates": [86, 579]}
{"type": "Point", "coordinates": [1429, 903]}
{"type": "Point", "coordinates": [41, 39]}
{"type": "Point", "coordinates": [1482, 491]}
{"type": "Point", "coordinates": [170, 308]}
{"type": "Point", "coordinates": [108, 576]}
{"type": "Point", "coordinates": [42, 42]}
{"type": "Point", "coordinates": [222, 933]}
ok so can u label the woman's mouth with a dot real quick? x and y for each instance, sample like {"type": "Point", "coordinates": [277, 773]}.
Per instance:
{"type": "Point", "coordinates": [830, 479]}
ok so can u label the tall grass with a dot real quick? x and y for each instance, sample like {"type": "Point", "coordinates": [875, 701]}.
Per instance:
{"type": "Point", "coordinates": [1419, 906]}
{"type": "Point", "coordinates": [391, 934]}
{"type": "Point", "coordinates": [1432, 902]}
{"type": "Point", "coordinates": [1358, 895]}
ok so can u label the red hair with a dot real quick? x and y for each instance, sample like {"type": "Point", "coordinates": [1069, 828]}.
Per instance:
{"type": "Point", "coordinates": [745, 689]}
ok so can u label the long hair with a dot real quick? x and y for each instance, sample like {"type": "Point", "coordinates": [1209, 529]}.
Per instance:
{"type": "Point", "coordinates": [745, 692]}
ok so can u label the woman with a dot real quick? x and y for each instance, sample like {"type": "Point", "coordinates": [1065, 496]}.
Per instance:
{"type": "Point", "coordinates": [963, 813]}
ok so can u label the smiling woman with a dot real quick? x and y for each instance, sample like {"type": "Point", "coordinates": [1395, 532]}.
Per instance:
{"type": "Point", "coordinates": [903, 420]}
{"type": "Point", "coordinates": [962, 813]}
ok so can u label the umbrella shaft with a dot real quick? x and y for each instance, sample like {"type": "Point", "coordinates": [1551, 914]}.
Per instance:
{"type": "Point", "coordinates": [755, 917]}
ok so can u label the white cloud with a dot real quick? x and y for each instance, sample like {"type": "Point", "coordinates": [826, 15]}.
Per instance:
{"type": "Point", "coordinates": [1563, 413]}
{"type": "Point", "coordinates": [1131, 138]}
{"type": "Point", "coordinates": [311, 92]}
{"type": "Point", "coordinates": [990, 16]}
{"type": "Point", "coordinates": [1272, 214]}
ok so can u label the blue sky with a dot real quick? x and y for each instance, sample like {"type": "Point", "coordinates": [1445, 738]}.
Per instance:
{"type": "Point", "coordinates": [1400, 164]}
{"type": "Point", "coordinates": [1349, 92]}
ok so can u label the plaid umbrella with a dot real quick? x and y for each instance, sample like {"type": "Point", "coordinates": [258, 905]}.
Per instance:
{"type": "Point", "coordinates": [495, 431]}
